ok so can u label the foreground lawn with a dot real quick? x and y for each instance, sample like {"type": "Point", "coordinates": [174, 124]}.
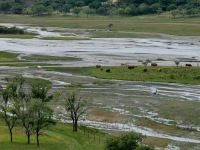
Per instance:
{"type": "Point", "coordinates": [59, 137]}
{"type": "Point", "coordinates": [154, 74]}
{"type": "Point", "coordinates": [149, 23]}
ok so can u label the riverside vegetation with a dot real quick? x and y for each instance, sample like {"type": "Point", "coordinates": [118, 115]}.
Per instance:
{"type": "Point", "coordinates": [24, 106]}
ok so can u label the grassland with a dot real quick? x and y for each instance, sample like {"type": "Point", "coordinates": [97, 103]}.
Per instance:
{"type": "Point", "coordinates": [11, 60]}
{"type": "Point", "coordinates": [60, 137]}
{"type": "Point", "coordinates": [49, 58]}
{"type": "Point", "coordinates": [18, 36]}
{"type": "Point", "coordinates": [150, 23]}
{"type": "Point", "coordinates": [182, 111]}
{"type": "Point", "coordinates": [123, 34]}
{"type": "Point", "coordinates": [168, 129]}
{"type": "Point", "coordinates": [8, 57]}
{"type": "Point", "coordinates": [184, 75]}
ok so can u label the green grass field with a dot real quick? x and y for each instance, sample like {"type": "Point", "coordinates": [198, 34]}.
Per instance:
{"type": "Point", "coordinates": [60, 137]}
{"type": "Point", "coordinates": [8, 57]}
{"type": "Point", "coordinates": [18, 36]}
{"type": "Point", "coordinates": [11, 59]}
{"type": "Point", "coordinates": [149, 23]}
{"type": "Point", "coordinates": [49, 58]}
{"type": "Point", "coordinates": [154, 74]}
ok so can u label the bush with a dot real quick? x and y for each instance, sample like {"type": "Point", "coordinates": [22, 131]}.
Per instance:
{"type": "Point", "coordinates": [12, 30]}
{"type": "Point", "coordinates": [145, 70]}
{"type": "Point", "coordinates": [197, 78]}
{"type": "Point", "coordinates": [129, 141]}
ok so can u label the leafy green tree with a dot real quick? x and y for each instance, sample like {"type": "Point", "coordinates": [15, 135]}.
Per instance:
{"type": "Point", "coordinates": [5, 6]}
{"type": "Point", "coordinates": [7, 107]}
{"type": "Point", "coordinates": [76, 11]}
{"type": "Point", "coordinates": [39, 90]}
{"type": "Point", "coordinates": [177, 62]}
{"type": "Point", "coordinates": [175, 13]}
{"type": "Point", "coordinates": [39, 9]}
{"type": "Point", "coordinates": [41, 113]}
{"type": "Point", "coordinates": [42, 116]}
{"type": "Point", "coordinates": [28, 11]}
{"type": "Point", "coordinates": [17, 8]}
{"type": "Point", "coordinates": [76, 107]}
{"type": "Point", "coordinates": [146, 62]}
{"type": "Point", "coordinates": [87, 10]}
{"type": "Point", "coordinates": [66, 8]}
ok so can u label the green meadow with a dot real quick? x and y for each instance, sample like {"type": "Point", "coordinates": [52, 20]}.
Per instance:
{"type": "Point", "coordinates": [148, 23]}
{"type": "Point", "coordinates": [186, 75]}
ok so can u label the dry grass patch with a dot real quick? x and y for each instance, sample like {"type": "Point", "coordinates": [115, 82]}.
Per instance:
{"type": "Point", "coordinates": [156, 142]}
{"type": "Point", "coordinates": [106, 116]}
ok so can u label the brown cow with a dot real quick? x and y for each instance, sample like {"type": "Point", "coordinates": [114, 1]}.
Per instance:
{"type": "Point", "coordinates": [131, 67]}
{"type": "Point", "coordinates": [154, 64]}
{"type": "Point", "coordinates": [188, 65]}
{"type": "Point", "coordinates": [98, 66]}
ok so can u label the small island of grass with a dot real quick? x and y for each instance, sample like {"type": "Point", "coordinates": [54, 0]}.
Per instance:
{"type": "Point", "coordinates": [14, 32]}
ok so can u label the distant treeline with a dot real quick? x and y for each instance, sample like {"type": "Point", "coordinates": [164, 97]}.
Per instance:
{"type": "Point", "coordinates": [11, 30]}
{"type": "Point", "coordinates": [101, 7]}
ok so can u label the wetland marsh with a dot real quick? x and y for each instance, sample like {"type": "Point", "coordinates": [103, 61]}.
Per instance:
{"type": "Point", "coordinates": [117, 102]}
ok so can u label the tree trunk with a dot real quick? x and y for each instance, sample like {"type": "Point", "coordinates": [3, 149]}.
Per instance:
{"type": "Point", "coordinates": [11, 135]}
{"type": "Point", "coordinates": [75, 126]}
{"type": "Point", "coordinates": [37, 136]}
{"type": "Point", "coordinates": [28, 136]}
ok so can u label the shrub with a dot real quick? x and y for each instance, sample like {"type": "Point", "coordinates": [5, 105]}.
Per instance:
{"type": "Point", "coordinates": [12, 30]}
{"type": "Point", "coordinates": [196, 78]}
{"type": "Point", "coordinates": [145, 70]}
{"type": "Point", "coordinates": [108, 70]}
{"type": "Point", "coordinates": [129, 141]}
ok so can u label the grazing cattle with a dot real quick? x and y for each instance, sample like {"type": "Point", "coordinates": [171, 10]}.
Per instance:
{"type": "Point", "coordinates": [108, 70]}
{"type": "Point", "coordinates": [131, 67]}
{"type": "Point", "coordinates": [188, 65]}
{"type": "Point", "coordinates": [154, 64]}
{"type": "Point", "coordinates": [98, 66]}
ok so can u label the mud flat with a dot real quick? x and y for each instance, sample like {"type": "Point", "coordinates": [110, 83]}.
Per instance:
{"type": "Point", "coordinates": [106, 51]}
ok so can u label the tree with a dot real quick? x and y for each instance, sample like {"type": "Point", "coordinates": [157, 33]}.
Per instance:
{"type": "Point", "coordinates": [177, 62]}
{"type": "Point", "coordinates": [23, 111]}
{"type": "Point", "coordinates": [25, 115]}
{"type": "Point", "coordinates": [76, 107]}
{"type": "Point", "coordinates": [110, 27]}
{"type": "Point", "coordinates": [39, 90]}
{"type": "Point", "coordinates": [174, 13]}
{"type": "Point", "coordinates": [146, 62]}
{"type": "Point", "coordinates": [76, 11]}
{"type": "Point", "coordinates": [42, 116]}
{"type": "Point", "coordinates": [87, 10]}
{"type": "Point", "coordinates": [7, 107]}
{"type": "Point", "coordinates": [41, 113]}
{"type": "Point", "coordinates": [38, 9]}
{"type": "Point", "coordinates": [17, 9]}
